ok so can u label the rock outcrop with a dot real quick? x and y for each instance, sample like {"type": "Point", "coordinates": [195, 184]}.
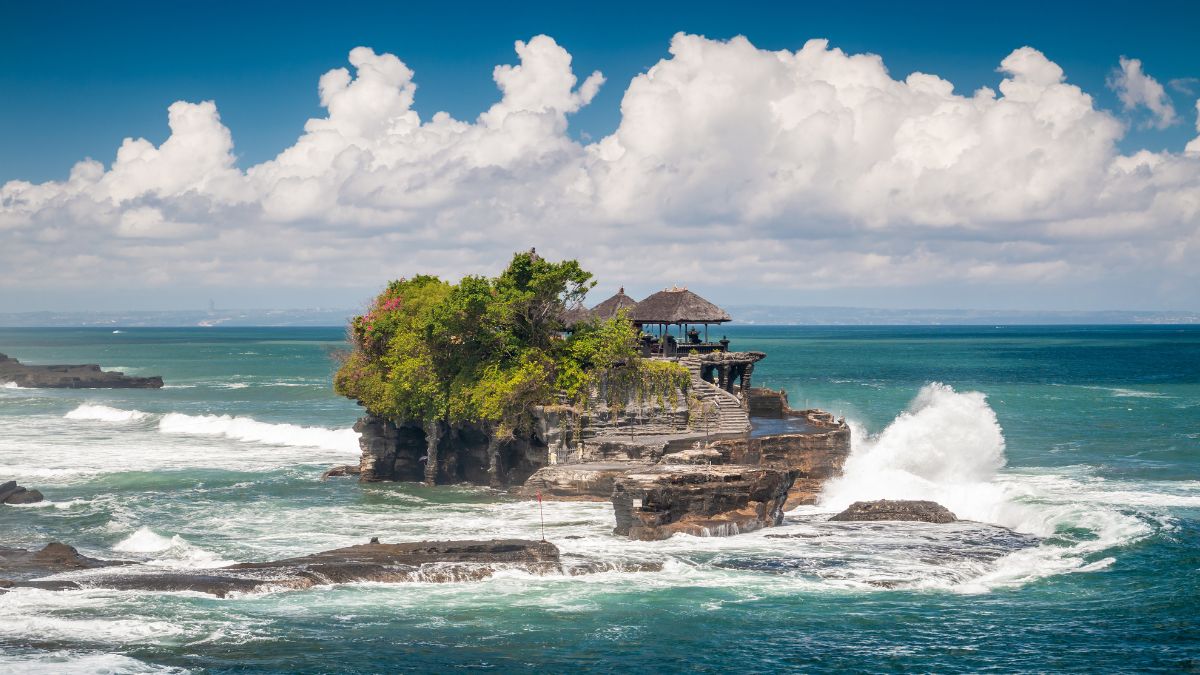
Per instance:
{"type": "Point", "coordinates": [815, 455]}
{"type": "Point", "coordinates": [18, 565]}
{"type": "Point", "coordinates": [592, 482]}
{"type": "Point", "coordinates": [436, 561]}
{"type": "Point", "coordinates": [11, 493]}
{"type": "Point", "coordinates": [897, 509]}
{"type": "Point", "coordinates": [456, 454]}
{"type": "Point", "coordinates": [659, 501]}
{"type": "Point", "coordinates": [87, 376]}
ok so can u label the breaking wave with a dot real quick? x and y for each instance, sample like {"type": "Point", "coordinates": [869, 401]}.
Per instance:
{"type": "Point", "coordinates": [948, 447]}
{"type": "Point", "coordinates": [251, 430]}
{"type": "Point", "coordinates": [169, 551]}
{"type": "Point", "coordinates": [103, 413]}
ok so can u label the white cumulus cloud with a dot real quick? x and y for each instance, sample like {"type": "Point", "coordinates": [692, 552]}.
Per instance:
{"type": "Point", "coordinates": [1135, 88]}
{"type": "Point", "coordinates": [807, 170]}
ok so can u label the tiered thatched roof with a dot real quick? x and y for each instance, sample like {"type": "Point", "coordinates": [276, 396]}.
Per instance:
{"type": "Point", "coordinates": [677, 305]}
{"type": "Point", "coordinates": [614, 305]}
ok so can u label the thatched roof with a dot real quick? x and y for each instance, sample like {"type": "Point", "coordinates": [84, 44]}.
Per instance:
{"type": "Point", "coordinates": [677, 305]}
{"type": "Point", "coordinates": [612, 306]}
{"type": "Point", "coordinates": [573, 316]}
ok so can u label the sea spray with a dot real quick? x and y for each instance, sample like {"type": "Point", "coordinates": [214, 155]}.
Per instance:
{"type": "Point", "coordinates": [172, 551]}
{"type": "Point", "coordinates": [947, 447]}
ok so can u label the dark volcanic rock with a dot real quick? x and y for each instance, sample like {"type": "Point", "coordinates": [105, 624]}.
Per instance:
{"type": "Point", "coordinates": [23, 496]}
{"type": "Point", "coordinates": [18, 563]}
{"type": "Point", "coordinates": [71, 377]}
{"type": "Point", "coordinates": [11, 493]}
{"type": "Point", "coordinates": [898, 509]}
{"type": "Point", "coordinates": [657, 502]}
{"type": "Point", "coordinates": [8, 489]}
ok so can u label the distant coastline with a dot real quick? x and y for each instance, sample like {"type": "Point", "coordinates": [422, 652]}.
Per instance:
{"type": "Point", "coordinates": [747, 314]}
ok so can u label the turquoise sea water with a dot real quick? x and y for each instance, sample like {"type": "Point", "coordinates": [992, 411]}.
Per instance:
{"type": "Point", "coordinates": [1083, 441]}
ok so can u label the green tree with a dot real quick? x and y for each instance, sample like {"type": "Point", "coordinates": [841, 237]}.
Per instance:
{"type": "Point", "coordinates": [488, 350]}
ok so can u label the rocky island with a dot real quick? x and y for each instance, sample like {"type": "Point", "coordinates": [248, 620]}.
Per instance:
{"type": "Point", "coordinates": [88, 376]}
{"type": "Point", "coordinates": [511, 382]}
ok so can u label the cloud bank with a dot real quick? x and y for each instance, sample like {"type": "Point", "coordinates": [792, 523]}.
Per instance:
{"type": "Point", "coordinates": [806, 170]}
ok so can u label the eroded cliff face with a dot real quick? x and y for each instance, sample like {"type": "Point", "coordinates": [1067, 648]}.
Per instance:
{"type": "Point", "coordinates": [438, 453]}
{"type": "Point", "coordinates": [568, 454]}
{"type": "Point", "coordinates": [657, 502]}
{"type": "Point", "coordinates": [460, 453]}
{"type": "Point", "coordinates": [814, 456]}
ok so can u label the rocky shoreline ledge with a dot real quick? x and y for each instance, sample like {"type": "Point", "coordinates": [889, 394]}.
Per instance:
{"type": "Point", "coordinates": [58, 566]}
{"type": "Point", "coordinates": [87, 376]}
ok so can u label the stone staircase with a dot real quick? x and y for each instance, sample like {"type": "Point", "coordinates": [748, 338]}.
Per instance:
{"type": "Point", "coordinates": [724, 411]}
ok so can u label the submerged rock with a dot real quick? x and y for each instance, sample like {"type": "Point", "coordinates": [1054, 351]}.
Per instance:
{"type": "Point", "coordinates": [87, 376]}
{"type": "Point", "coordinates": [11, 493]}
{"type": "Point", "coordinates": [341, 470]}
{"type": "Point", "coordinates": [659, 501]}
{"type": "Point", "coordinates": [897, 509]}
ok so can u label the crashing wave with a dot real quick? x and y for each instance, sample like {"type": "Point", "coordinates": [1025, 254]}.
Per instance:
{"type": "Point", "coordinates": [948, 447]}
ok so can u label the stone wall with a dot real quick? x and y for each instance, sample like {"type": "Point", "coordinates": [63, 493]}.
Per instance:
{"type": "Point", "coordinates": [765, 402]}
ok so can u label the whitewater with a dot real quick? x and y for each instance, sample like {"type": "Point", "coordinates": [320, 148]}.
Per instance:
{"type": "Point", "coordinates": [1062, 509]}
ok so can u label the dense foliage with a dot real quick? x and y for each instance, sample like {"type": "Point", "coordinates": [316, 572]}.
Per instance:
{"type": "Point", "coordinates": [489, 349]}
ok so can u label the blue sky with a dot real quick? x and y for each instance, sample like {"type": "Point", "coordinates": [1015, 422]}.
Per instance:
{"type": "Point", "coordinates": [1043, 200]}
{"type": "Point", "coordinates": [80, 77]}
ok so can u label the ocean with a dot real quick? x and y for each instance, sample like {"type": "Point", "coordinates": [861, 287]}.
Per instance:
{"type": "Point", "coordinates": [1071, 452]}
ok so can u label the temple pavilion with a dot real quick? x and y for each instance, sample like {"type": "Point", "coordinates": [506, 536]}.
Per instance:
{"type": "Point", "coordinates": [674, 323]}
{"type": "Point", "coordinates": [680, 309]}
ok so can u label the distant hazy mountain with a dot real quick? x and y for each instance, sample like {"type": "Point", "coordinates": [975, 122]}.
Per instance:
{"type": "Point", "coordinates": [744, 314]}
{"type": "Point", "coordinates": [218, 317]}
{"type": "Point", "coordinates": [861, 316]}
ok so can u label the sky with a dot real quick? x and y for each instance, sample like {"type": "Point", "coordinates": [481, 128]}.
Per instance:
{"type": "Point", "coordinates": [159, 155]}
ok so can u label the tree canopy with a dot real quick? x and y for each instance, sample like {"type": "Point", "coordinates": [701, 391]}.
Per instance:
{"type": "Point", "coordinates": [489, 349]}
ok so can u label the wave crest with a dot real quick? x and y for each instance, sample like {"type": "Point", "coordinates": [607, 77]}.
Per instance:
{"type": "Point", "coordinates": [103, 413]}
{"type": "Point", "coordinates": [249, 429]}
